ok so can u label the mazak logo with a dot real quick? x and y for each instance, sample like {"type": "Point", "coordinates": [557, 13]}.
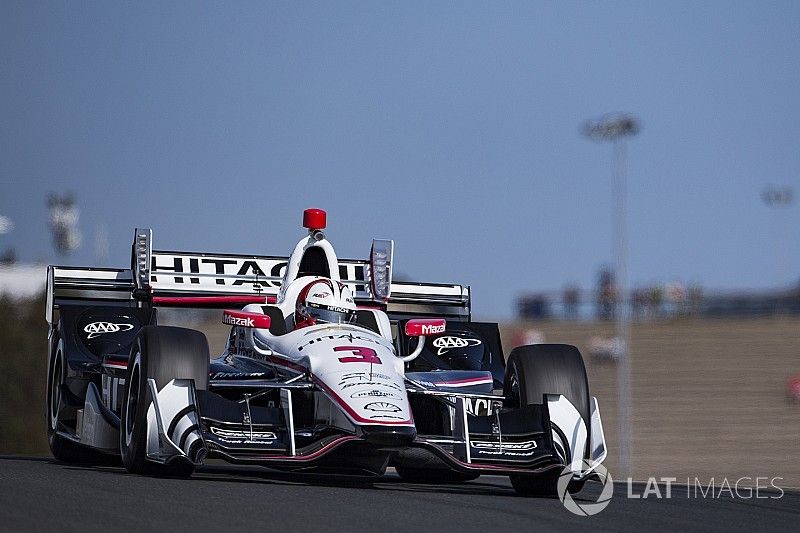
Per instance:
{"type": "Point", "coordinates": [585, 508]}
{"type": "Point", "coordinates": [99, 328]}
{"type": "Point", "coordinates": [238, 321]}
{"type": "Point", "coordinates": [449, 343]}
{"type": "Point", "coordinates": [430, 329]}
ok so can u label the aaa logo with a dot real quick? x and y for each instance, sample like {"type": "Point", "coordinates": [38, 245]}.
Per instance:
{"type": "Point", "coordinates": [99, 328]}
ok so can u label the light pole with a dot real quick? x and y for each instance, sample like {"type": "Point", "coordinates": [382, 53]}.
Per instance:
{"type": "Point", "coordinates": [615, 128]}
{"type": "Point", "coordinates": [778, 198]}
{"type": "Point", "coordinates": [64, 223]}
{"type": "Point", "coordinates": [5, 225]}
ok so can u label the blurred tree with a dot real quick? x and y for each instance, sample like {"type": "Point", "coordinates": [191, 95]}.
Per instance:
{"type": "Point", "coordinates": [8, 257]}
{"type": "Point", "coordinates": [533, 307]}
{"type": "Point", "coordinates": [657, 300]}
{"type": "Point", "coordinates": [23, 350]}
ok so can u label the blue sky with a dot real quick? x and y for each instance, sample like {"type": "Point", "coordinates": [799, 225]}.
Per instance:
{"type": "Point", "coordinates": [452, 128]}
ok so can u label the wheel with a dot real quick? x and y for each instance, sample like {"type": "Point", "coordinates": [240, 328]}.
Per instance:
{"type": "Point", "coordinates": [532, 372]}
{"type": "Point", "coordinates": [161, 353]}
{"type": "Point", "coordinates": [60, 417]}
{"type": "Point", "coordinates": [433, 475]}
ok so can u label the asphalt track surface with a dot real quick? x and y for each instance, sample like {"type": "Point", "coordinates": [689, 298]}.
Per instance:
{"type": "Point", "coordinates": [43, 495]}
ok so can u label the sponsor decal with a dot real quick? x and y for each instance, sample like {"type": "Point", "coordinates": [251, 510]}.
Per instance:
{"type": "Point", "coordinates": [246, 322]}
{"type": "Point", "coordinates": [420, 326]}
{"type": "Point", "coordinates": [229, 375]}
{"type": "Point", "coordinates": [374, 393]}
{"type": "Point", "coordinates": [427, 329]}
{"type": "Point", "coordinates": [371, 379]}
{"type": "Point", "coordinates": [241, 436]}
{"type": "Point", "coordinates": [447, 343]}
{"type": "Point", "coordinates": [371, 384]}
{"type": "Point", "coordinates": [364, 376]}
{"type": "Point", "coordinates": [520, 449]}
{"type": "Point", "coordinates": [99, 328]}
{"type": "Point", "coordinates": [480, 406]}
{"type": "Point", "coordinates": [321, 295]}
{"type": "Point", "coordinates": [349, 336]}
{"type": "Point", "coordinates": [172, 269]}
{"type": "Point", "coordinates": [382, 407]}
{"type": "Point", "coordinates": [244, 319]}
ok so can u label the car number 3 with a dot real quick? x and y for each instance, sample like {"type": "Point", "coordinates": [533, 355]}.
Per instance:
{"type": "Point", "coordinates": [360, 355]}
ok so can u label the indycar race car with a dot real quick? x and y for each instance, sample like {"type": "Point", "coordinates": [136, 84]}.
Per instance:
{"type": "Point", "coordinates": [330, 366]}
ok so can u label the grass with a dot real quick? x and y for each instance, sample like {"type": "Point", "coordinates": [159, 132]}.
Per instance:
{"type": "Point", "coordinates": [23, 376]}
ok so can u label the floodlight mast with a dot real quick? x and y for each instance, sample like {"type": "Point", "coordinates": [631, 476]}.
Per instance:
{"type": "Point", "coordinates": [777, 199]}
{"type": "Point", "coordinates": [615, 128]}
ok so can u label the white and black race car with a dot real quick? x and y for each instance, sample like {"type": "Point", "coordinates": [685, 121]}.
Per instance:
{"type": "Point", "coordinates": [407, 381]}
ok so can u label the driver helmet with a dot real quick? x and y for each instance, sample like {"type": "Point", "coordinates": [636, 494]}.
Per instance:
{"type": "Point", "coordinates": [324, 301]}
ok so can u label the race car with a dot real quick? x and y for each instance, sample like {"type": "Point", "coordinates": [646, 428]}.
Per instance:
{"type": "Point", "coordinates": [330, 366]}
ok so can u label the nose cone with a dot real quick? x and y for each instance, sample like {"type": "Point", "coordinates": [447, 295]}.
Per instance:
{"type": "Point", "coordinates": [389, 435]}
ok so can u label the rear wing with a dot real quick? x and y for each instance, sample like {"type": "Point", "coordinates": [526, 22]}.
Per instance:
{"type": "Point", "coordinates": [167, 278]}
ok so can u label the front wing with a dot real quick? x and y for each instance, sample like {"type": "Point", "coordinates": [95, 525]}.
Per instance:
{"type": "Point", "coordinates": [534, 439]}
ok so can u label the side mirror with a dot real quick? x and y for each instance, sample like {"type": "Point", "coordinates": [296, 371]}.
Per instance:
{"type": "Point", "coordinates": [380, 260]}
{"type": "Point", "coordinates": [243, 319]}
{"type": "Point", "coordinates": [419, 327]}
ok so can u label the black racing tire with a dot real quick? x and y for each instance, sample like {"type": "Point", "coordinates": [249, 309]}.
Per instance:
{"type": "Point", "coordinates": [433, 475]}
{"type": "Point", "coordinates": [162, 353]}
{"type": "Point", "coordinates": [62, 448]}
{"type": "Point", "coordinates": [536, 370]}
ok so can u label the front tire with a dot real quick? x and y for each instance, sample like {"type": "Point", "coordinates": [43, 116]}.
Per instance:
{"type": "Point", "coordinates": [532, 372]}
{"type": "Point", "coordinates": [161, 353]}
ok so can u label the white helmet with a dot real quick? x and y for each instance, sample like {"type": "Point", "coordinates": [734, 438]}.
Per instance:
{"type": "Point", "coordinates": [324, 301]}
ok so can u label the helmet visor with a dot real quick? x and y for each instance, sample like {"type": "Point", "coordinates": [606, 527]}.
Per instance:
{"type": "Point", "coordinates": [330, 314]}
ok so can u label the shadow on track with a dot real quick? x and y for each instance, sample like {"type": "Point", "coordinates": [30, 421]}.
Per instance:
{"type": "Point", "coordinates": [495, 486]}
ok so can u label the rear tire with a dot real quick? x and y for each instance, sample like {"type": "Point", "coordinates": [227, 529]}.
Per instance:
{"type": "Point", "coordinates": [62, 448]}
{"type": "Point", "coordinates": [161, 353]}
{"type": "Point", "coordinates": [532, 372]}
